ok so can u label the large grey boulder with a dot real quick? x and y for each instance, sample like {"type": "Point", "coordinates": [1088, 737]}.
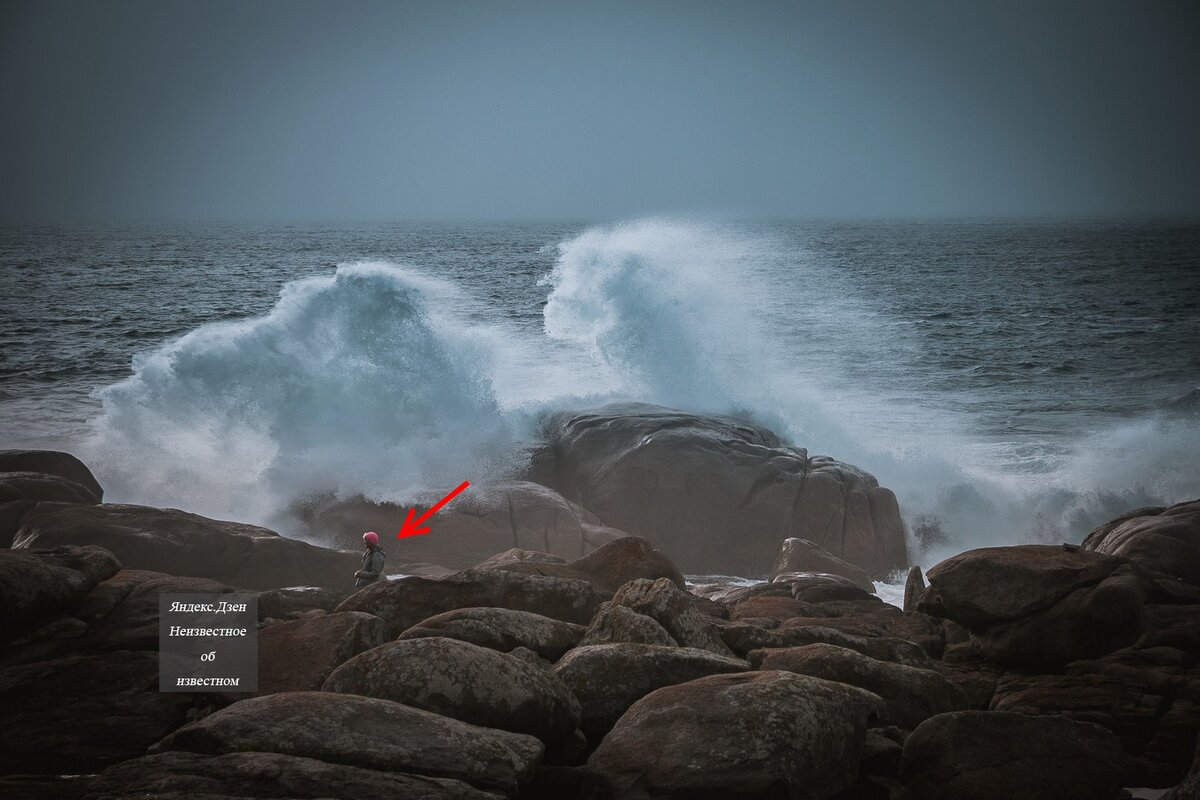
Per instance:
{"type": "Point", "coordinates": [501, 629]}
{"type": "Point", "coordinates": [405, 602]}
{"type": "Point", "coordinates": [178, 543]}
{"type": "Point", "coordinates": [609, 678]}
{"type": "Point", "coordinates": [363, 732]}
{"type": "Point", "coordinates": [995, 755]}
{"type": "Point", "coordinates": [187, 775]}
{"type": "Point", "coordinates": [1166, 540]}
{"type": "Point", "coordinates": [716, 493]}
{"type": "Point", "coordinates": [464, 681]}
{"type": "Point", "coordinates": [484, 520]}
{"type": "Point", "coordinates": [746, 735]}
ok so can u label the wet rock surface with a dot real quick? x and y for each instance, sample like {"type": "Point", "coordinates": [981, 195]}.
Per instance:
{"type": "Point", "coordinates": [717, 493]}
{"type": "Point", "coordinates": [178, 543]}
{"type": "Point", "coordinates": [591, 670]}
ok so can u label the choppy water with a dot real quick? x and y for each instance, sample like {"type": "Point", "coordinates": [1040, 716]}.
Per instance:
{"type": "Point", "coordinates": [1012, 381]}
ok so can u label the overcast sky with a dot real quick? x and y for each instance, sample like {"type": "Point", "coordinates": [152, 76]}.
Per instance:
{"type": "Point", "coordinates": [587, 111]}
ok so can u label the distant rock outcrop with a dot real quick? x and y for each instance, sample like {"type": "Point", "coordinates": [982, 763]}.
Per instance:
{"type": "Point", "coordinates": [716, 493]}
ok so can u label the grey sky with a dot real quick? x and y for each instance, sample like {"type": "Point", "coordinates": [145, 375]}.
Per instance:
{"type": "Point", "coordinates": [507, 110]}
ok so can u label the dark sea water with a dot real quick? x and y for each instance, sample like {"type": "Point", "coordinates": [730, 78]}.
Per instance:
{"type": "Point", "coordinates": [1011, 381]}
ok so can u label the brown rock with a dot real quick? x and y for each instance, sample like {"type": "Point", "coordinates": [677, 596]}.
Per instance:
{"type": "Point", "coordinates": [281, 603]}
{"type": "Point", "coordinates": [463, 681]}
{"type": "Point", "coordinates": [747, 735]}
{"type": "Point", "coordinates": [1149, 698]}
{"type": "Point", "coordinates": [672, 608]}
{"type": "Point", "coordinates": [608, 678]}
{"type": "Point", "coordinates": [1166, 540]}
{"type": "Point", "coordinates": [989, 755]}
{"type": "Point", "coordinates": [609, 567]}
{"type": "Point", "coordinates": [39, 487]}
{"type": "Point", "coordinates": [616, 623]}
{"type": "Point", "coordinates": [769, 607]}
{"type": "Point", "coordinates": [717, 493]}
{"type": "Point", "coordinates": [76, 715]}
{"type": "Point", "coordinates": [501, 629]}
{"type": "Point", "coordinates": [178, 543]}
{"type": "Point", "coordinates": [363, 732]}
{"type": "Point", "coordinates": [1088, 623]}
{"type": "Point", "coordinates": [408, 601]}
{"type": "Point", "coordinates": [267, 775]}
{"type": "Point", "coordinates": [38, 585]}
{"type": "Point", "coordinates": [998, 584]}
{"type": "Point", "coordinates": [51, 462]}
{"type": "Point", "coordinates": [912, 695]}
{"type": "Point", "coordinates": [298, 655]}
{"type": "Point", "coordinates": [801, 555]}
{"type": "Point", "coordinates": [914, 585]}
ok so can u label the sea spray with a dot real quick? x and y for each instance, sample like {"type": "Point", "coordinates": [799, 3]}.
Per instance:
{"type": "Point", "coordinates": [681, 313]}
{"type": "Point", "coordinates": [352, 384]}
{"type": "Point", "coordinates": [378, 380]}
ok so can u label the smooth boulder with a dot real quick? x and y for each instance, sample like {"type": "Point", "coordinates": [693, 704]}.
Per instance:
{"type": "Point", "coordinates": [997, 584]}
{"type": "Point", "coordinates": [801, 555]}
{"type": "Point", "coordinates": [911, 694]}
{"type": "Point", "coordinates": [363, 732]}
{"type": "Point", "coordinates": [299, 654]}
{"type": "Point", "coordinates": [40, 488]}
{"type": "Point", "coordinates": [609, 567]}
{"type": "Point", "coordinates": [501, 629]}
{"type": "Point", "coordinates": [746, 735]}
{"type": "Point", "coordinates": [1166, 540]}
{"type": "Point", "coordinates": [405, 602]}
{"type": "Point", "coordinates": [178, 543]}
{"type": "Point", "coordinates": [51, 462]}
{"type": "Point", "coordinates": [717, 493]}
{"type": "Point", "coordinates": [993, 755]}
{"type": "Point", "coordinates": [608, 678]}
{"type": "Point", "coordinates": [463, 681]}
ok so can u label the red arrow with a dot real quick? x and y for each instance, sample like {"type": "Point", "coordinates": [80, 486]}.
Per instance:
{"type": "Point", "coordinates": [413, 528]}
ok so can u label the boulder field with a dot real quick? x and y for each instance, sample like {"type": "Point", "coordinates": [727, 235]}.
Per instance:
{"type": "Point", "coordinates": [1034, 672]}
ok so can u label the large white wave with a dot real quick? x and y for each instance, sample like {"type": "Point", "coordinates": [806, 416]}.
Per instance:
{"type": "Point", "coordinates": [371, 382]}
{"type": "Point", "coordinates": [362, 382]}
{"type": "Point", "coordinates": [689, 316]}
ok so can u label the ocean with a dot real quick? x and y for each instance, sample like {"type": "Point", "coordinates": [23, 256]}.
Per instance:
{"type": "Point", "coordinates": [1011, 381]}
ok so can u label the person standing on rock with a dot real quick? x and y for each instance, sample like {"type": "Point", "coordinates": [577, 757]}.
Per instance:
{"type": "Point", "coordinates": [372, 561]}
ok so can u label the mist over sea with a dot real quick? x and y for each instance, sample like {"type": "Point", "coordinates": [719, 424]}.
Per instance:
{"type": "Point", "coordinates": [1011, 381]}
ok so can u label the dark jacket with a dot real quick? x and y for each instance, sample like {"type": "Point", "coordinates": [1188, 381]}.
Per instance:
{"type": "Point", "coordinates": [372, 567]}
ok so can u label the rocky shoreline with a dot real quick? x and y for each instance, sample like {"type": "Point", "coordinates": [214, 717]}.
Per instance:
{"type": "Point", "coordinates": [546, 645]}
